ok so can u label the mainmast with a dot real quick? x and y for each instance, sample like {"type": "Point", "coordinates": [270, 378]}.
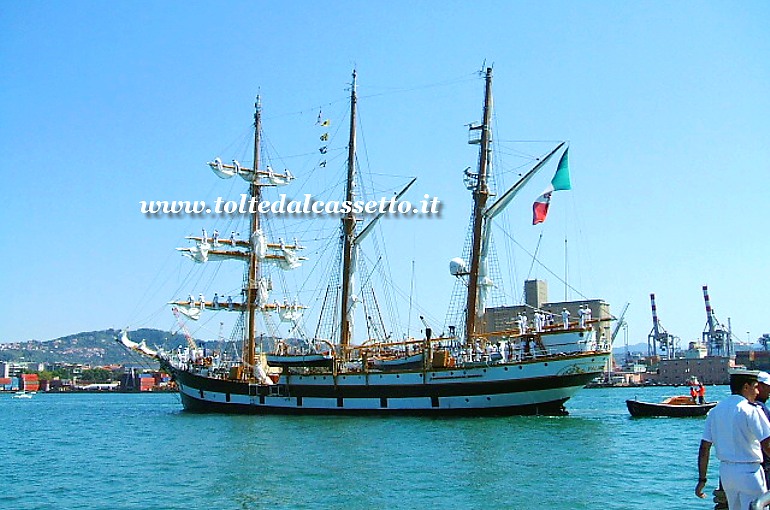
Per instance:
{"type": "Point", "coordinates": [249, 355]}
{"type": "Point", "coordinates": [348, 232]}
{"type": "Point", "coordinates": [480, 196]}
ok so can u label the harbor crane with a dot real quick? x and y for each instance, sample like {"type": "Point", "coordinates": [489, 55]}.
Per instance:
{"type": "Point", "coordinates": [622, 324]}
{"type": "Point", "coordinates": [659, 338]}
{"type": "Point", "coordinates": [715, 335]}
{"type": "Point", "coordinates": [190, 341]}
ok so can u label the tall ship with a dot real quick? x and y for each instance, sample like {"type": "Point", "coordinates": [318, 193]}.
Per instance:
{"type": "Point", "coordinates": [527, 364]}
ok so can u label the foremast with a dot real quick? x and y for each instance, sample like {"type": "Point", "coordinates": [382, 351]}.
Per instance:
{"type": "Point", "coordinates": [480, 196]}
{"type": "Point", "coordinates": [254, 251]}
{"type": "Point", "coordinates": [348, 234]}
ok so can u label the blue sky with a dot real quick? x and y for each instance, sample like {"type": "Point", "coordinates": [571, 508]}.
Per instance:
{"type": "Point", "coordinates": [665, 107]}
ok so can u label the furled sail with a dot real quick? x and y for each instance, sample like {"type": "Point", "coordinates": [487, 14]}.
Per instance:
{"type": "Point", "coordinates": [222, 171]}
{"type": "Point", "coordinates": [290, 313]}
{"type": "Point", "coordinates": [259, 244]}
{"type": "Point", "coordinates": [127, 342]}
{"type": "Point", "coordinates": [190, 311]}
{"type": "Point", "coordinates": [290, 259]}
{"type": "Point", "coordinates": [262, 292]}
{"type": "Point", "coordinates": [246, 173]}
{"type": "Point", "coordinates": [146, 350]}
{"type": "Point", "coordinates": [198, 253]}
{"type": "Point", "coordinates": [485, 283]}
{"type": "Point", "coordinates": [139, 347]}
{"type": "Point", "coordinates": [202, 253]}
{"type": "Point", "coordinates": [277, 179]}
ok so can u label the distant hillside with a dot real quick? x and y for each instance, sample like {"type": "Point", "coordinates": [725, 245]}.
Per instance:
{"type": "Point", "coordinates": [92, 348]}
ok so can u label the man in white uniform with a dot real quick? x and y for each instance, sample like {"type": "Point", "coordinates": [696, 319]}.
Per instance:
{"type": "Point", "coordinates": [740, 431]}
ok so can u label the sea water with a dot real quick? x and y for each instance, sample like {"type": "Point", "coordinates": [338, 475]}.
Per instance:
{"type": "Point", "coordinates": [141, 451]}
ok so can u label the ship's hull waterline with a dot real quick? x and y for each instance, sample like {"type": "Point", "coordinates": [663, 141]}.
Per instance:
{"type": "Point", "coordinates": [523, 388]}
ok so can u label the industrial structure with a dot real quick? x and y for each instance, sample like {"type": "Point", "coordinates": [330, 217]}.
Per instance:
{"type": "Point", "coordinates": [659, 339]}
{"type": "Point", "coordinates": [709, 360]}
{"type": "Point", "coordinates": [716, 337]}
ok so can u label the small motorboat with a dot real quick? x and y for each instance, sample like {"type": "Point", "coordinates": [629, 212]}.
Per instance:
{"type": "Point", "coordinates": [676, 407]}
{"type": "Point", "coordinates": [22, 394]}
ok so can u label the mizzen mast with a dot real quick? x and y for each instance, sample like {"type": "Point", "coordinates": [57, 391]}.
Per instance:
{"type": "Point", "coordinates": [348, 232]}
{"type": "Point", "coordinates": [480, 197]}
{"type": "Point", "coordinates": [249, 354]}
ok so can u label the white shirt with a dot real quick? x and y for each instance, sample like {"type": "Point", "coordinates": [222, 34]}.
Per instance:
{"type": "Point", "coordinates": [736, 427]}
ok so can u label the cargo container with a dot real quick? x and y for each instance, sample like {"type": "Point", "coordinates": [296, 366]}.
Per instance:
{"type": "Point", "coordinates": [4, 381]}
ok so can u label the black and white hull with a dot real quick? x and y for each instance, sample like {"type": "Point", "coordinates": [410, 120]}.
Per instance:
{"type": "Point", "coordinates": [527, 387]}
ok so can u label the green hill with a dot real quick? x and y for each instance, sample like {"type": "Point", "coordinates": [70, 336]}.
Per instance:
{"type": "Point", "coordinates": [91, 348]}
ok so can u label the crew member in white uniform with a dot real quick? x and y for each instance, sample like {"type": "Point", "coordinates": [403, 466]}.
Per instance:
{"type": "Point", "coordinates": [740, 432]}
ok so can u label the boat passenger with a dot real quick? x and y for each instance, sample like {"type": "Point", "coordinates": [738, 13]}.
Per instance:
{"type": "Point", "coordinates": [701, 393]}
{"type": "Point", "coordinates": [565, 318]}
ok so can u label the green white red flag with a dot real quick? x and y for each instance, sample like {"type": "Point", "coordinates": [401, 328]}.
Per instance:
{"type": "Point", "coordinates": [560, 182]}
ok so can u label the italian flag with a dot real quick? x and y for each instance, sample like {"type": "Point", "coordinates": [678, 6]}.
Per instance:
{"type": "Point", "coordinates": [540, 208]}
{"type": "Point", "coordinates": [560, 182]}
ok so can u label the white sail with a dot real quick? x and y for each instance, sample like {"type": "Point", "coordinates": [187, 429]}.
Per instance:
{"type": "Point", "coordinates": [290, 259]}
{"type": "Point", "coordinates": [277, 179]}
{"type": "Point", "coordinates": [139, 347]}
{"type": "Point", "coordinates": [290, 313]}
{"type": "Point", "coordinates": [146, 350]}
{"type": "Point", "coordinates": [126, 341]}
{"type": "Point", "coordinates": [245, 173]}
{"type": "Point", "coordinates": [220, 170]}
{"type": "Point", "coordinates": [190, 311]}
{"type": "Point", "coordinates": [198, 253]}
{"type": "Point", "coordinates": [259, 243]}
{"type": "Point", "coordinates": [485, 283]}
{"type": "Point", "coordinates": [262, 292]}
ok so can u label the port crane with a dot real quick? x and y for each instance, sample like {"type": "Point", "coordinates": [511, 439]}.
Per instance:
{"type": "Point", "coordinates": [622, 324]}
{"type": "Point", "coordinates": [715, 335]}
{"type": "Point", "coordinates": [659, 338]}
{"type": "Point", "coordinates": [190, 341]}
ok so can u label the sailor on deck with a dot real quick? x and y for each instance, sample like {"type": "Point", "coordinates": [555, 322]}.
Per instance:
{"type": "Point", "coordinates": [521, 323]}
{"type": "Point", "coordinates": [582, 316]}
{"type": "Point", "coordinates": [565, 318]}
{"type": "Point", "coordinates": [538, 321]}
